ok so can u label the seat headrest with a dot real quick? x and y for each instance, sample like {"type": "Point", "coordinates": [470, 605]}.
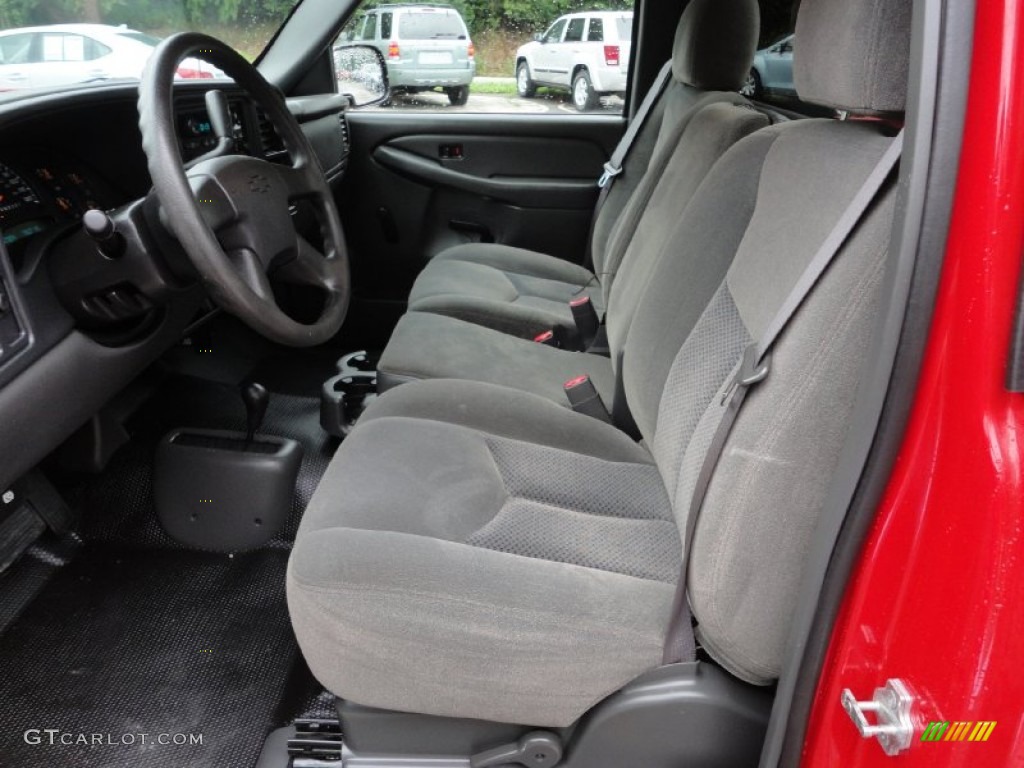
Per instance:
{"type": "Point", "coordinates": [715, 43]}
{"type": "Point", "coordinates": [853, 54]}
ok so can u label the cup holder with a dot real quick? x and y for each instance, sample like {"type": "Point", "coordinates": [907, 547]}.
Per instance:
{"type": "Point", "coordinates": [343, 399]}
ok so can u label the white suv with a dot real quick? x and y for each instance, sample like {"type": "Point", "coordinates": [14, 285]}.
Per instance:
{"type": "Point", "coordinates": [587, 53]}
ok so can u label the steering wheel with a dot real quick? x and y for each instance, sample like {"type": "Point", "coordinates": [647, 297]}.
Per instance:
{"type": "Point", "coordinates": [231, 213]}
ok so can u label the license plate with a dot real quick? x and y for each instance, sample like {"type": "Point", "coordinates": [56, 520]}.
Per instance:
{"type": "Point", "coordinates": [435, 57]}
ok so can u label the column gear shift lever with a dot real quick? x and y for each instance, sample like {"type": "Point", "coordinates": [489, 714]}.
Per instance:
{"type": "Point", "coordinates": [256, 399]}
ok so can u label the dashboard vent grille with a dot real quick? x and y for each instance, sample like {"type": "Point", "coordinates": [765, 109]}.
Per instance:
{"type": "Point", "coordinates": [273, 147]}
{"type": "Point", "coordinates": [345, 136]}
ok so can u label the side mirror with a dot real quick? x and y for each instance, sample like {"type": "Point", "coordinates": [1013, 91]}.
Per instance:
{"type": "Point", "coordinates": [538, 38]}
{"type": "Point", "coordinates": [362, 74]}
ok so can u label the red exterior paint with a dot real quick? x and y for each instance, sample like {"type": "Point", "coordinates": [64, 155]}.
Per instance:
{"type": "Point", "coordinates": [938, 596]}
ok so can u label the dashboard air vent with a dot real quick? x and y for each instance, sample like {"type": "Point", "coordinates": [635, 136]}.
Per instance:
{"type": "Point", "coordinates": [273, 147]}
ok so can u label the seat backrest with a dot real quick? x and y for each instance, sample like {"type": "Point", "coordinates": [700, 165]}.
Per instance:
{"type": "Point", "coordinates": [711, 56]}
{"type": "Point", "coordinates": [742, 241]}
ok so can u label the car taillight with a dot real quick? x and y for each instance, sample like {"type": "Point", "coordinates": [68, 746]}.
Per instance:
{"type": "Point", "coordinates": [393, 52]}
{"type": "Point", "coordinates": [611, 55]}
{"type": "Point", "coordinates": [471, 49]}
{"type": "Point", "coordinates": [191, 73]}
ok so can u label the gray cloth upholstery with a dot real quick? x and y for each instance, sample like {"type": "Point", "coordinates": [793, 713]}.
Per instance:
{"type": "Point", "coordinates": [474, 347]}
{"type": "Point", "coordinates": [508, 413]}
{"type": "Point", "coordinates": [705, 240]}
{"type": "Point", "coordinates": [537, 596]}
{"type": "Point", "coordinates": [428, 346]}
{"type": "Point", "coordinates": [512, 290]}
{"type": "Point", "coordinates": [767, 491]}
{"type": "Point", "coordinates": [656, 237]}
{"type": "Point", "coordinates": [479, 551]}
{"type": "Point", "coordinates": [853, 56]}
{"type": "Point", "coordinates": [523, 292]}
{"type": "Point", "coordinates": [715, 43]}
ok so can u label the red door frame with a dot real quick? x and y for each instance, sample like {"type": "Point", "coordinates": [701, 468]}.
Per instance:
{"type": "Point", "coordinates": [937, 598]}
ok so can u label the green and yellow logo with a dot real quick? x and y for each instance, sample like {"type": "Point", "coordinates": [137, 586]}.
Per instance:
{"type": "Point", "coordinates": [958, 731]}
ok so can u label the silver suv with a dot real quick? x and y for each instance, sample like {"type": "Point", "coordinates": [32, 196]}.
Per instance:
{"type": "Point", "coordinates": [425, 46]}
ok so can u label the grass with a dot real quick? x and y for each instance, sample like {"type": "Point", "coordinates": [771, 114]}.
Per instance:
{"type": "Point", "coordinates": [503, 89]}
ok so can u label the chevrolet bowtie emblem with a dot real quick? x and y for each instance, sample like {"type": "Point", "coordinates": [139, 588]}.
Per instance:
{"type": "Point", "coordinates": [258, 183]}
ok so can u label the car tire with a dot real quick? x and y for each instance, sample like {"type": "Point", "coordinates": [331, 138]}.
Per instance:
{"type": "Point", "coordinates": [584, 97]}
{"type": "Point", "coordinates": [752, 88]}
{"type": "Point", "coordinates": [458, 96]}
{"type": "Point", "coordinates": [525, 86]}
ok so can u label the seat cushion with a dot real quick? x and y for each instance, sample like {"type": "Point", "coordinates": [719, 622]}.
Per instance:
{"type": "Point", "coordinates": [502, 576]}
{"type": "Point", "coordinates": [513, 290]}
{"type": "Point", "coordinates": [427, 346]}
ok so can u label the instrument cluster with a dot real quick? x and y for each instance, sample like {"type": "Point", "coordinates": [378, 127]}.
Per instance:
{"type": "Point", "coordinates": [37, 194]}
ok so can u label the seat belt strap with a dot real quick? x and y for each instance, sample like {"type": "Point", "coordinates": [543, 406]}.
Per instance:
{"type": "Point", "coordinates": [753, 369]}
{"type": "Point", "coordinates": [614, 165]}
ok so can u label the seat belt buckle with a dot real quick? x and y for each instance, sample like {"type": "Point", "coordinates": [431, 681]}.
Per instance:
{"type": "Point", "coordinates": [610, 172]}
{"type": "Point", "coordinates": [584, 398]}
{"type": "Point", "coordinates": [548, 339]}
{"type": "Point", "coordinates": [586, 319]}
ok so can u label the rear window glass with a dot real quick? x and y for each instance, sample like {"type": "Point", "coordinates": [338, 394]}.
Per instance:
{"type": "Point", "coordinates": [430, 26]}
{"type": "Point", "coordinates": [625, 27]}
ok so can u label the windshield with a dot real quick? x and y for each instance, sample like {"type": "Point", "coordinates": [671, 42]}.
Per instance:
{"type": "Point", "coordinates": [54, 43]}
{"type": "Point", "coordinates": [427, 25]}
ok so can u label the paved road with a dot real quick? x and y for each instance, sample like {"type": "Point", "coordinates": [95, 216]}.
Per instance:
{"type": "Point", "coordinates": [556, 103]}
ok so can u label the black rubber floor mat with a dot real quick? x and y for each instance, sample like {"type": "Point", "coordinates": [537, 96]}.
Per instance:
{"type": "Point", "coordinates": [118, 506]}
{"type": "Point", "coordinates": [129, 648]}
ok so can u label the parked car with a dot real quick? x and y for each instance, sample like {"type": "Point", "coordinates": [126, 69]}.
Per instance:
{"type": "Point", "coordinates": [772, 71]}
{"type": "Point", "coordinates": [66, 54]}
{"type": "Point", "coordinates": [587, 53]}
{"type": "Point", "coordinates": [425, 46]}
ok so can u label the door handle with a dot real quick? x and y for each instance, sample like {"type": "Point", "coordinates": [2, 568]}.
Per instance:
{"type": "Point", "coordinates": [471, 227]}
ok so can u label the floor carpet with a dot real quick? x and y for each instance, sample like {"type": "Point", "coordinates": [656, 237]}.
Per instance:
{"type": "Point", "coordinates": [135, 645]}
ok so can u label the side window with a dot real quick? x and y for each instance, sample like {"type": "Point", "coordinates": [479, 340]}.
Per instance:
{"type": "Point", "coordinates": [94, 49]}
{"type": "Point", "coordinates": [574, 33]}
{"type": "Point", "coordinates": [485, 56]}
{"type": "Point", "coordinates": [370, 27]}
{"type": "Point", "coordinates": [554, 34]}
{"type": "Point", "coordinates": [14, 49]}
{"type": "Point", "coordinates": [59, 47]}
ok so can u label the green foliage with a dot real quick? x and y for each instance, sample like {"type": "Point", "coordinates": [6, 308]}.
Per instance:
{"type": "Point", "coordinates": [152, 14]}
{"type": "Point", "coordinates": [517, 18]}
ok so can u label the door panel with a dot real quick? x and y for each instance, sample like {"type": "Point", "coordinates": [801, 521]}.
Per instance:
{"type": "Point", "coordinates": [521, 180]}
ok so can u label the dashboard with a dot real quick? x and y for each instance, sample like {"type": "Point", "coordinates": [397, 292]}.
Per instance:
{"type": "Point", "coordinates": [46, 187]}
{"type": "Point", "coordinates": [78, 324]}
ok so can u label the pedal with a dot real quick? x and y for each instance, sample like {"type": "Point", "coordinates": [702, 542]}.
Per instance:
{"type": "Point", "coordinates": [317, 743]}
